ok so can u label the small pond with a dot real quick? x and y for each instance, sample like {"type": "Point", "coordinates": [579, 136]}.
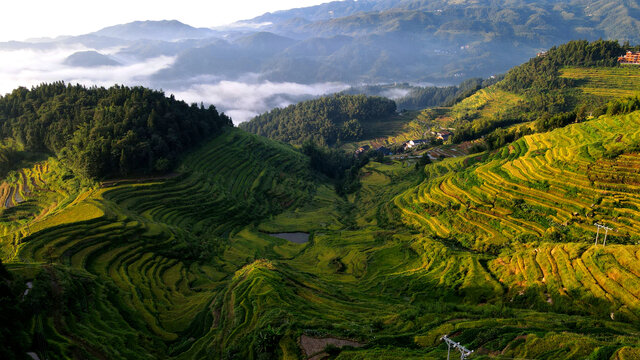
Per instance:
{"type": "Point", "coordinates": [296, 237]}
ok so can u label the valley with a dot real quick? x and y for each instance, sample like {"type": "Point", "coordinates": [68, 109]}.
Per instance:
{"type": "Point", "coordinates": [166, 254]}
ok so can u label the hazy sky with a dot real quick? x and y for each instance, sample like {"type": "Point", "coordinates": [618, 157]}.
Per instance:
{"type": "Point", "coordinates": [22, 19]}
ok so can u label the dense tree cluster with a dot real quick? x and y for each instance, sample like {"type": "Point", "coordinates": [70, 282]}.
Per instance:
{"type": "Point", "coordinates": [325, 121]}
{"type": "Point", "coordinates": [542, 72]}
{"type": "Point", "coordinates": [340, 166]}
{"type": "Point", "coordinates": [102, 132]}
{"type": "Point", "coordinates": [424, 97]}
{"type": "Point", "coordinates": [548, 122]}
{"type": "Point", "coordinates": [474, 129]}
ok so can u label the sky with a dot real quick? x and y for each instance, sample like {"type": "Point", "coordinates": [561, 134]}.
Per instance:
{"type": "Point", "coordinates": [24, 19]}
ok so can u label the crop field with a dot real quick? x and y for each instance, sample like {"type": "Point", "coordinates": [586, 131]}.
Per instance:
{"type": "Point", "coordinates": [184, 267]}
{"type": "Point", "coordinates": [485, 104]}
{"type": "Point", "coordinates": [609, 82]}
{"type": "Point", "coordinates": [545, 185]}
{"type": "Point", "coordinates": [546, 188]}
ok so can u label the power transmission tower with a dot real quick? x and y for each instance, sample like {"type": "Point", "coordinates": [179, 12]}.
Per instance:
{"type": "Point", "coordinates": [464, 352]}
{"type": "Point", "coordinates": [606, 231]}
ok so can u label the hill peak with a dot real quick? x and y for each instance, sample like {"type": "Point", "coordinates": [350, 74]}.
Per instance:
{"type": "Point", "coordinates": [155, 30]}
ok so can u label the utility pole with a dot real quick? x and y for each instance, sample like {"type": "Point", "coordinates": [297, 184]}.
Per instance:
{"type": "Point", "coordinates": [464, 352]}
{"type": "Point", "coordinates": [606, 232]}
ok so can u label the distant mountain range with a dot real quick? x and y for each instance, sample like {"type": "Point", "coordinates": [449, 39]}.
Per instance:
{"type": "Point", "coordinates": [370, 41]}
{"type": "Point", "coordinates": [354, 42]}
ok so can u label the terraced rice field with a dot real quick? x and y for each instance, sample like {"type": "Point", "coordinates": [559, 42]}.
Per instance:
{"type": "Point", "coordinates": [549, 187]}
{"type": "Point", "coordinates": [23, 184]}
{"type": "Point", "coordinates": [182, 268]}
{"type": "Point", "coordinates": [609, 82]}
{"type": "Point", "coordinates": [146, 239]}
{"type": "Point", "coordinates": [485, 104]}
{"type": "Point", "coordinates": [540, 184]}
{"type": "Point", "coordinates": [222, 187]}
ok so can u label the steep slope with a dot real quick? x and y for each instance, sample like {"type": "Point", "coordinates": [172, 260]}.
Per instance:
{"type": "Point", "coordinates": [150, 246]}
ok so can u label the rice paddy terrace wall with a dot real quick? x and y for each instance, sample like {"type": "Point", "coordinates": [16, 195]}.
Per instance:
{"type": "Point", "coordinates": [608, 82]}
{"type": "Point", "coordinates": [544, 188]}
{"type": "Point", "coordinates": [176, 267]}
{"type": "Point", "coordinates": [158, 245]}
{"type": "Point", "coordinates": [543, 182]}
{"type": "Point", "coordinates": [32, 195]}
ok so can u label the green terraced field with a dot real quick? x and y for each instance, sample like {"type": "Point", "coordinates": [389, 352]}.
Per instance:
{"type": "Point", "coordinates": [493, 249]}
{"type": "Point", "coordinates": [609, 82]}
{"type": "Point", "coordinates": [485, 104]}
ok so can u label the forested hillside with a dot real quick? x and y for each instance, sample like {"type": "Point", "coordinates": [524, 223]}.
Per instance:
{"type": "Point", "coordinates": [325, 121]}
{"type": "Point", "coordinates": [101, 132]}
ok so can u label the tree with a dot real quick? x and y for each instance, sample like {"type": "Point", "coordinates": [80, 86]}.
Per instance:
{"type": "Point", "coordinates": [100, 132]}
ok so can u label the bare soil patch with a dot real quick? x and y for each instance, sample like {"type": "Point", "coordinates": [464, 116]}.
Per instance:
{"type": "Point", "coordinates": [314, 347]}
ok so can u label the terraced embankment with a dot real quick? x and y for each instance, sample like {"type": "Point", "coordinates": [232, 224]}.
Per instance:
{"type": "Point", "coordinates": [549, 188]}
{"type": "Point", "coordinates": [159, 244]}
{"type": "Point", "coordinates": [232, 181]}
{"type": "Point", "coordinates": [181, 267]}
{"type": "Point", "coordinates": [553, 185]}
{"type": "Point", "coordinates": [607, 82]}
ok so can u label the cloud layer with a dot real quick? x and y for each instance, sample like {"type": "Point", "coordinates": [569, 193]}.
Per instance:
{"type": "Point", "coordinates": [244, 100]}
{"type": "Point", "coordinates": [32, 67]}
{"type": "Point", "coordinates": [241, 99]}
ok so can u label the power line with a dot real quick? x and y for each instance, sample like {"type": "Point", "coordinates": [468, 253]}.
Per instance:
{"type": "Point", "coordinates": [606, 231]}
{"type": "Point", "coordinates": [464, 352]}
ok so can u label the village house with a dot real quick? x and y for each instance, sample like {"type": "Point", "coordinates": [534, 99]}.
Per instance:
{"type": "Point", "coordinates": [413, 143]}
{"type": "Point", "coordinates": [444, 135]}
{"type": "Point", "coordinates": [362, 149]}
{"type": "Point", "coordinates": [632, 58]}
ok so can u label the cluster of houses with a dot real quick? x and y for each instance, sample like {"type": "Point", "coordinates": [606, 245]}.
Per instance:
{"type": "Point", "coordinates": [441, 135]}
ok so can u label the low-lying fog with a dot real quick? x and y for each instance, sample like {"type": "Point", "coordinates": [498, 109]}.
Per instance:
{"type": "Point", "coordinates": [241, 98]}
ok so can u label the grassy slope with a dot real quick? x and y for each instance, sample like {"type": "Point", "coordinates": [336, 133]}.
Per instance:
{"type": "Point", "coordinates": [598, 84]}
{"type": "Point", "coordinates": [484, 105]}
{"type": "Point", "coordinates": [606, 82]}
{"type": "Point", "coordinates": [182, 268]}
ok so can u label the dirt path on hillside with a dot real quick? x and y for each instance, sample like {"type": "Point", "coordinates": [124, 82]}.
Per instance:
{"type": "Point", "coordinates": [313, 348]}
{"type": "Point", "coordinates": [115, 182]}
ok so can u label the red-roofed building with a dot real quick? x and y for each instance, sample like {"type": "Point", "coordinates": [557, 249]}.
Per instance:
{"type": "Point", "coordinates": [630, 58]}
